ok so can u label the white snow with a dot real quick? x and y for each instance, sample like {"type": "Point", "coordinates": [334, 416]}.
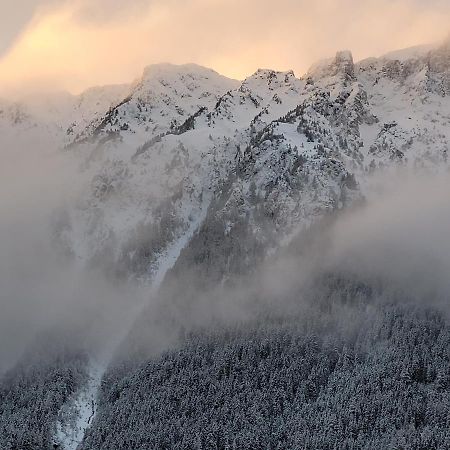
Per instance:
{"type": "Point", "coordinates": [410, 52]}
{"type": "Point", "coordinates": [82, 410]}
{"type": "Point", "coordinates": [70, 433]}
{"type": "Point", "coordinates": [168, 259]}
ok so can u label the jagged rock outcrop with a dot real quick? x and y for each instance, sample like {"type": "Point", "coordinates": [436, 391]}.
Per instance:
{"type": "Point", "coordinates": [161, 155]}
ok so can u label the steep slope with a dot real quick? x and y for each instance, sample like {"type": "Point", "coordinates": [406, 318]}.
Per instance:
{"type": "Point", "coordinates": [137, 179]}
{"type": "Point", "coordinates": [182, 166]}
{"type": "Point", "coordinates": [161, 100]}
{"type": "Point", "coordinates": [408, 99]}
{"type": "Point", "coordinates": [186, 168]}
{"type": "Point", "coordinates": [183, 131]}
{"type": "Point", "coordinates": [412, 99]}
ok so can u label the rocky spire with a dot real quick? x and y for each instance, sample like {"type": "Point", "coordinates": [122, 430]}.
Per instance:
{"type": "Point", "coordinates": [343, 64]}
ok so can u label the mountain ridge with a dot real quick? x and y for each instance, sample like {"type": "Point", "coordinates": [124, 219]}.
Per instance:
{"type": "Point", "coordinates": [346, 112]}
{"type": "Point", "coordinates": [190, 182]}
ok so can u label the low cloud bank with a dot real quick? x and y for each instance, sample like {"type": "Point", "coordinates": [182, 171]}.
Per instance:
{"type": "Point", "coordinates": [398, 238]}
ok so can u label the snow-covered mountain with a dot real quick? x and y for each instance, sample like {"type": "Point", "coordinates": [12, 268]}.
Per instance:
{"type": "Point", "coordinates": [302, 146]}
{"type": "Point", "coordinates": [157, 154]}
{"type": "Point", "coordinates": [187, 171]}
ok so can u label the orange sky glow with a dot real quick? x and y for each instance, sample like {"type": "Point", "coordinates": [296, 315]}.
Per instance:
{"type": "Point", "coordinates": [71, 45]}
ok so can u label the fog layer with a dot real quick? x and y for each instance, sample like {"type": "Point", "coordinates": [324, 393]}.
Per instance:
{"type": "Point", "coordinates": [397, 238]}
{"type": "Point", "coordinates": [41, 287]}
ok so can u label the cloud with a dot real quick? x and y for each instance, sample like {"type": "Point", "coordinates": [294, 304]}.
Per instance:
{"type": "Point", "coordinates": [107, 11]}
{"type": "Point", "coordinates": [394, 246]}
{"type": "Point", "coordinates": [78, 43]}
{"type": "Point", "coordinates": [400, 237]}
{"type": "Point", "coordinates": [16, 15]}
{"type": "Point", "coordinates": [40, 287]}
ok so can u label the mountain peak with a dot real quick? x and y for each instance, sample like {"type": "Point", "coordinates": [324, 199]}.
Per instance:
{"type": "Point", "coordinates": [415, 52]}
{"type": "Point", "coordinates": [183, 79]}
{"type": "Point", "coordinates": [270, 73]}
{"type": "Point", "coordinates": [344, 55]}
{"type": "Point", "coordinates": [272, 78]}
{"type": "Point", "coordinates": [342, 64]}
{"type": "Point", "coordinates": [153, 71]}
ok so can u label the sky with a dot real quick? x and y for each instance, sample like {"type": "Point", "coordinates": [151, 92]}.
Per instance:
{"type": "Point", "coordinates": [75, 44]}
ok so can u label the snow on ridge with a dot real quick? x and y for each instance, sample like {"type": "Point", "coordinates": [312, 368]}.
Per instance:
{"type": "Point", "coordinates": [402, 55]}
{"type": "Point", "coordinates": [185, 80]}
{"type": "Point", "coordinates": [162, 69]}
{"type": "Point", "coordinates": [70, 433]}
{"type": "Point", "coordinates": [185, 161]}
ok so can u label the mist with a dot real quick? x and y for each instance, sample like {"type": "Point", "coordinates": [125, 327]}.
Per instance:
{"type": "Point", "coordinates": [42, 287]}
{"type": "Point", "coordinates": [395, 242]}
{"type": "Point", "coordinates": [398, 238]}
{"type": "Point", "coordinates": [401, 237]}
{"type": "Point", "coordinates": [392, 246]}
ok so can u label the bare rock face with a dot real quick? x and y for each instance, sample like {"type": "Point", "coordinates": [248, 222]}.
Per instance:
{"type": "Point", "coordinates": [343, 64]}
{"type": "Point", "coordinates": [339, 68]}
{"type": "Point", "coordinates": [439, 60]}
{"type": "Point", "coordinates": [424, 69]}
{"type": "Point", "coordinates": [439, 69]}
